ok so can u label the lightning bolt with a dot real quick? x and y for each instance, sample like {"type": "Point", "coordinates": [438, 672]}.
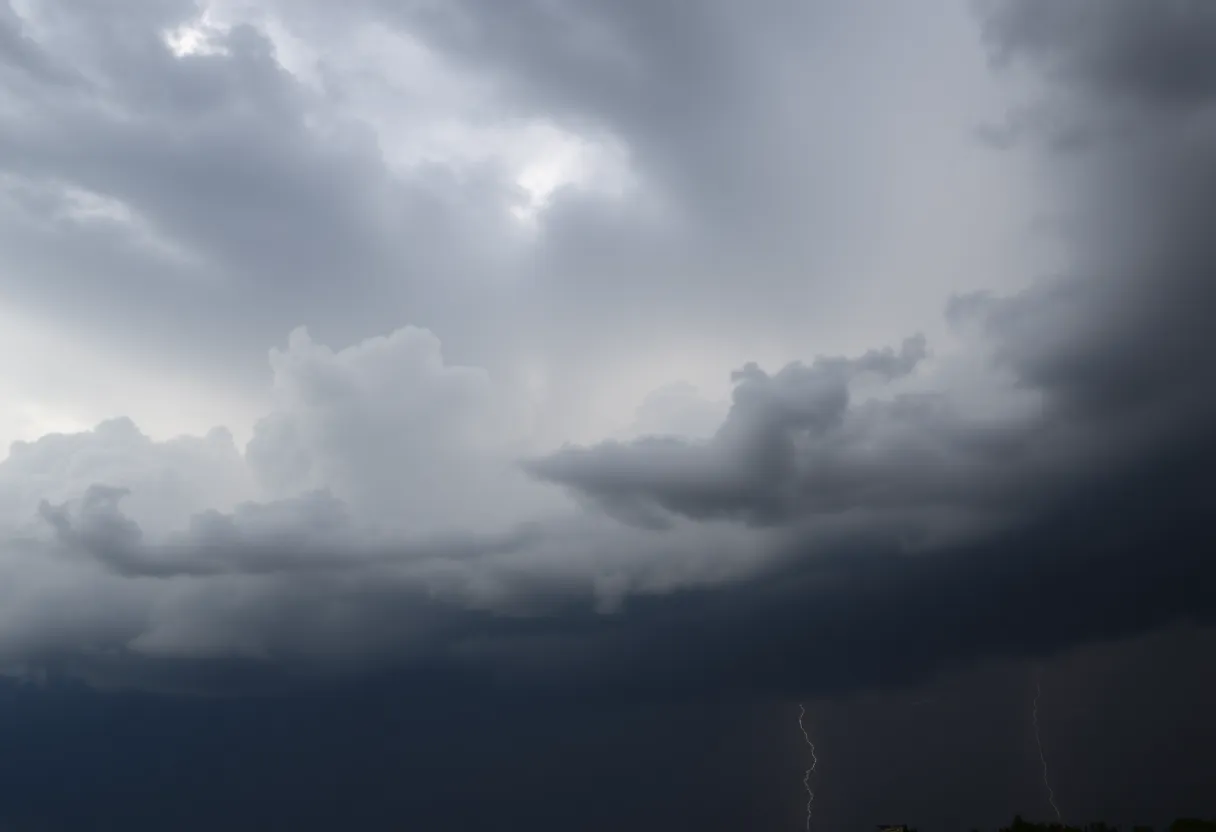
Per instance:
{"type": "Point", "coordinates": [806, 778]}
{"type": "Point", "coordinates": [1034, 713]}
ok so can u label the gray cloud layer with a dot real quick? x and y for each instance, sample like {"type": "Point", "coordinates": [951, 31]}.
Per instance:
{"type": "Point", "coordinates": [378, 516]}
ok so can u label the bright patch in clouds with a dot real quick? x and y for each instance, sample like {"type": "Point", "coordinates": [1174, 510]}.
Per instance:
{"type": "Point", "coordinates": [425, 111]}
{"type": "Point", "coordinates": [561, 159]}
{"type": "Point", "coordinates": [197, 37]}
{"type": "Point", "coordinates": [29, 420]}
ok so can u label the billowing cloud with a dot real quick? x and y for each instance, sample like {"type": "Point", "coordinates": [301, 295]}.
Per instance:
{"type": "Point", "coordinates": [437, 506]}
{"type": "Point", "coordinates": [403, 436]}
{"type": "Point", "coordinates": [758, 465]}
{"type": "Point", "coordinates": [168, 481]}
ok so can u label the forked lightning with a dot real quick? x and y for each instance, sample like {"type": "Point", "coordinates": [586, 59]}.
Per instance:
{"type": "Point", "coordinates": [1034, 713]}
{"type": "Point", "coordinates": [806, 778]}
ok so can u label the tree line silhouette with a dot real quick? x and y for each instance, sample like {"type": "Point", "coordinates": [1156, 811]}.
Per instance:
{"type": "Point", "coordinates": [1021, 825]}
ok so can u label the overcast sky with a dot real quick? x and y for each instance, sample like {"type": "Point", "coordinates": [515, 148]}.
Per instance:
{"type": "Point", "coordinates": [596, 380]}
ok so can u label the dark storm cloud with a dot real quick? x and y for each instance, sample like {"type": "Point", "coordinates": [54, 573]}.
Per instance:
{"type": "Point", "coordinates": [1117, 340]}
{"type": "Point", "coordinates": [1156, 54]}
{"type": "Point", "coordinates": [1121, 558]}
{"type": "Point", "coordinates": [583, 672]}
{"type": "Point", "coordinates": [1104, 482]}
{"type": "Point", "coordinates": [816, 543]}
{"type": "Point", "coordinates": [752, 468]}
{"type": "Point", "coordinates": [1111, 347]}
{"type": "Point", "coordinates": [298, 535]}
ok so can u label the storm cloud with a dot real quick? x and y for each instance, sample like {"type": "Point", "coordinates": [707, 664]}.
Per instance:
{"type": "Point", "coordinates": [384, 465]}
{"type": "Point", "coordinates": [593, 352]}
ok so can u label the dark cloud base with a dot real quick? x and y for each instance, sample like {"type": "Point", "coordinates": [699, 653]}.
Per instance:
{"type": "Point", "coordinates": [1114, 559]}
{"type": "Point", "coordinates": [1120, 558]}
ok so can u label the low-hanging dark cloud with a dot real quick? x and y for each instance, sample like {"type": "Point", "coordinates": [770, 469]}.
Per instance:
{"type": "Point", "coordinates": [756, 465]}
{"type": "Point", "coordinates": [1100, 483]}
